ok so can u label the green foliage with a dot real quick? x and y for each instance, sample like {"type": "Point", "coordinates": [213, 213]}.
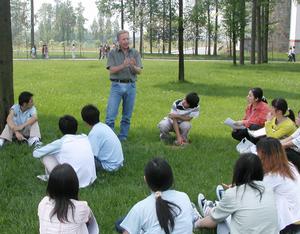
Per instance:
{"type": "Point", "coordinates": [62, 87]}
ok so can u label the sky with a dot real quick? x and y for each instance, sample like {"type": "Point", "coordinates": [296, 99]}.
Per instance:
{"type": "Point", "coordinates": [90, 11]}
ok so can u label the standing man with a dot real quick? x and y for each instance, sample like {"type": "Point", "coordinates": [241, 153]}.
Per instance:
{"type": "Point", "coordinates": [124, 64]}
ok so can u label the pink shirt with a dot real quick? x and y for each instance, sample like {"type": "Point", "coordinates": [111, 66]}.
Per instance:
{"type": "Point", "coordinates": [51, 225]}
{"type": "Point", "coordinates": [256, 115]}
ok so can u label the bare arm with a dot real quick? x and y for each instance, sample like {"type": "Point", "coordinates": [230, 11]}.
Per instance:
{"type": "Point", "coordinates": [125, 232]}
{"type": "Point", "coordinates": [10, 121]}
{"type": "Point", "coordinates": [206, 222]}
{"type": "Point", "coordinates": [176, 129]}
{"type": "Point", "coordinates": [180, 117]}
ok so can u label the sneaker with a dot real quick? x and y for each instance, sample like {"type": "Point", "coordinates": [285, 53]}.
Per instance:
{"type": "Point", "coordinates": [43, 177]}
{"type": "Point", "coordinates": [201, 202]}
{"type": "Point", "coordinates": [35, 142]}
{"type": "Point", "coordinates": [1, 142]}
{"type": "Point", "coordinates": [208, 205]}
{"type": "Point", "coordinates": [196, 214]}
{"type": "Point", "coordinates": [220, 192]}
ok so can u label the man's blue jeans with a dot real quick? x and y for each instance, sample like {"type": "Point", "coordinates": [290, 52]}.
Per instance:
{"type": "Point", "coordinates": [125, 92]}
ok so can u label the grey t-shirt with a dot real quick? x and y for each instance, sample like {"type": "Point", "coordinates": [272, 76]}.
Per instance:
{"type": "Point", "coordinates": [116, 57]}
{"type": "Point", "coordinates": [248, 213]}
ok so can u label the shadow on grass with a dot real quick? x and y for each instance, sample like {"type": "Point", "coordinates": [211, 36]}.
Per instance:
{"type": "Point", "coordinates": [217, 90]}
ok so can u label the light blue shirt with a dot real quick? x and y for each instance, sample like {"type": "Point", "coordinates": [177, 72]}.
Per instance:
{"type": "Point", "coordinates": [106, 147]}
{"type": "Point", "coordinates": [21, 117]}
{"type": "Point", "coordinates": [142, 217]}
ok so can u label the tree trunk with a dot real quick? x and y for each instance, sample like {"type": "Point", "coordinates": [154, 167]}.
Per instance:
{"type": "Point", "coordinates": [164, 27]}
{"type": "Point", "coordinates": [122, 14]}
{"type": "Point", "coordinates": [197, 38]}
{"type": "Point", "coordinates": [253, 32]}
{"type": "Point", "coordinates": [180, 42]}
{"type": "Point", "coordinates": [258, 24]}
{"type": "Point", "coordinates": [208, 28]}
{"type": "Point", "coordinates": [32, 23]}
{"type": "Point", "coordinates": [141, 27]}
{"type": "Point", "coordinates": [170, 27]}
{"type": "Point", "coordinates": [216, 29]}
{"type": "Point", "coordinates": [242, 31]}
{"type": "Point", "coordinates": [151, 27]}
{"type": "Point", "coordinates": [234, 39]}
{"type": "Point", "coordinates": [6, 64]}
{"type": "Point", "coordinates": [266, 31]}
{"type": "Point", "coordinates": [133, 31]}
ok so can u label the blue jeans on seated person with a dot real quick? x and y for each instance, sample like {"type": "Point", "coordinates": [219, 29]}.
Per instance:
{"type": "Point", "coordinates": [126, 92]}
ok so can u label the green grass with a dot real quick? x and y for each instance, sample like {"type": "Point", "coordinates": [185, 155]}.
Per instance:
{"type": "Point", "coordinates": [63, 87]}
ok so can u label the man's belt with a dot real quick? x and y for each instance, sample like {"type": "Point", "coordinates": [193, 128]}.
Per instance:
{"type": "Point", "coordinates": [122, 81]}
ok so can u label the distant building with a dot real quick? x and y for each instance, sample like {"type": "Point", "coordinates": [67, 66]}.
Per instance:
{"type": "Point", "coordinates": [295, 25]}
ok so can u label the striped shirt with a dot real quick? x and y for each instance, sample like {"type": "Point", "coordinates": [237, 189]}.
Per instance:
{"type": "Point", "coordinates": [178, 109]}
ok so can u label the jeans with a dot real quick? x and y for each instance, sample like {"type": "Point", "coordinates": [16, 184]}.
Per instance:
{"type": "Point", "coordinates": [126, 92]}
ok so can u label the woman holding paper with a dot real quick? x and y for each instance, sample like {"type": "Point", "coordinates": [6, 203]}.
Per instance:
{"type": "Point", "coordinates": [255, 115]}
{"type": "Point", "coordinates": [279, 125]}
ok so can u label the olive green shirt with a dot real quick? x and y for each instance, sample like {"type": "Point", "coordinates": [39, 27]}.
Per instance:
{"type": "Point", "coordinates": [116, 57]}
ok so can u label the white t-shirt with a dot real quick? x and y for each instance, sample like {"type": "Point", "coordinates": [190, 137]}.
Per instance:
{"type": "Point", "coordinates": [142, 217]}
{"type": "Point", "coordinates": [75, 150]}
{"type": "Point", "coordinates": [296, 140]}
{"type": "Point", "coordinates": [287, 197]}
{"type": "Point", "coordinates": [51, 225]}
{"type": "Point", "coordinates": [21, 117]}
{"type": "Point", "coordinates": [248, 213]}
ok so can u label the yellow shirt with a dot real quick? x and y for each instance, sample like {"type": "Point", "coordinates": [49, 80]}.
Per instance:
{"type": "Point", "coordinates": [286, 128]}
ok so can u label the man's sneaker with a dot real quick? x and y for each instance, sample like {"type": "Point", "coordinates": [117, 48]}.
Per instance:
{"type": "Point", "coordinates": [196, 214]}
{"type": "Point", "coordinates": [43, 177]}
{"type": "Point", "coordinates": [201, 202]}
{"type": "Point", "coordinates": [33, 141]}
{"type": "Point", "coordinates": [1, 142]}
{"type": "Point", "coordinates": [220, 192]}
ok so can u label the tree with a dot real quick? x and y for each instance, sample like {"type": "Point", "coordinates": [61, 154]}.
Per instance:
{"type": "Point", "coordinates": [6, 64]}
{"type": "Point", "coordinates": [46, 20]}
{"type": "Point", "coordinates": [180, 41]}
{"type": "Point", "coordinates": [80, 21]}
{"type": "Point", "coordinates": [253, 31]}
{"type": "Point", "coordinates": [258, 31]}
{"type": "Point", "coordinates": [32, 23]}
{"type": "Point", "coordinates": [242, 20]}
{"type": "Point", "coordinates": [216, 28]}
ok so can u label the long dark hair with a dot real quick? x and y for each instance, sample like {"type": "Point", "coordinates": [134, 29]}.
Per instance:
{"type": "Point", "coordinates": [159, 177]}
{"type": "Point", "coordinates": [62, 186]}
{"type": "Point", "coordinates": [248, 168]}
{"type": "Point", "coordinates": [281, 104]}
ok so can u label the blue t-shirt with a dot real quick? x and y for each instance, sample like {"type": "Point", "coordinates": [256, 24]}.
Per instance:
{"type": "Point", "coordinates": [106, 147]}
{"type": "Point", "coordinates": [21, 117]}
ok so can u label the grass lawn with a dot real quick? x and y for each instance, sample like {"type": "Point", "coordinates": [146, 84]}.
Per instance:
{"type": "Point", "coordinates": [64, 87]}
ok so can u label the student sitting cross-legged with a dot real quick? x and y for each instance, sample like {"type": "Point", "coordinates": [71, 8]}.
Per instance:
{"type": "Point", "coordinates": [165, 210]}
{"type": "Point", "coordinates": [106, 146]}
{"type": "Point", "coordinates": [72, 149]}
{"type": "Point", "coordinates": [61, 211]}
{"type": "Point", "coordinates": [178, 120]}
{"type": "Point", "coordinates": [247, 206]}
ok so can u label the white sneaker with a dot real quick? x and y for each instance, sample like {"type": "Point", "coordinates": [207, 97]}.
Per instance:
{"type": "Point", "coordinates": [1, 142]}
{"type": "Point", "coordinates": [43, 177]}
{"type": "Point", "coordinates": [196, 214]}
{"type": "Point", "coordinates": [32, 141]}
{"type": "Point", "coordinates": [220, 192]}
{"type": "Point", "coordinates": [201, 202]}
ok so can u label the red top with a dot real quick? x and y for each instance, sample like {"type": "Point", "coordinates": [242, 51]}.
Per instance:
{"type": "Point", "coordinates": [256, 115]}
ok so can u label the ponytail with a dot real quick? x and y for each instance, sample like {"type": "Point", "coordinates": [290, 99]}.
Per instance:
{"type": "Point", "coordinates": [166, 212]}
{"type": "Point", "coordinates": [291, 114]}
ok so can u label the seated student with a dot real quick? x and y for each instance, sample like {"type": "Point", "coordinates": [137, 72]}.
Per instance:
{"type": "Point", "coordinates": [105, 144]}
{"type": "Point", "coordinates": [72, 149]}
{"type": "Point", "coordinates": [279, 125]}
{"type": "Point", "coordinates": [247, 206]}
{"type": "Point", "coordinates": [61, 211]}
{"type": "Point", "coordinates": [283, 178]}
{"type": "Point", "coordinates": [291, 145]}
{"type": "Point", "coordinates": [22, 122]}
{"type": "Point", "coordinates": [178, 120]}
{"type": "Point", "coordinates": [255, 115]}
{"type": "Point", "coordinates": [165, 210]}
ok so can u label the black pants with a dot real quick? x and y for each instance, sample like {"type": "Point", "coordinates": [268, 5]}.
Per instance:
{"type": "Point", "coordinates": [294, 157]}
{"type": "Point", "coordinates": [240, 134]}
